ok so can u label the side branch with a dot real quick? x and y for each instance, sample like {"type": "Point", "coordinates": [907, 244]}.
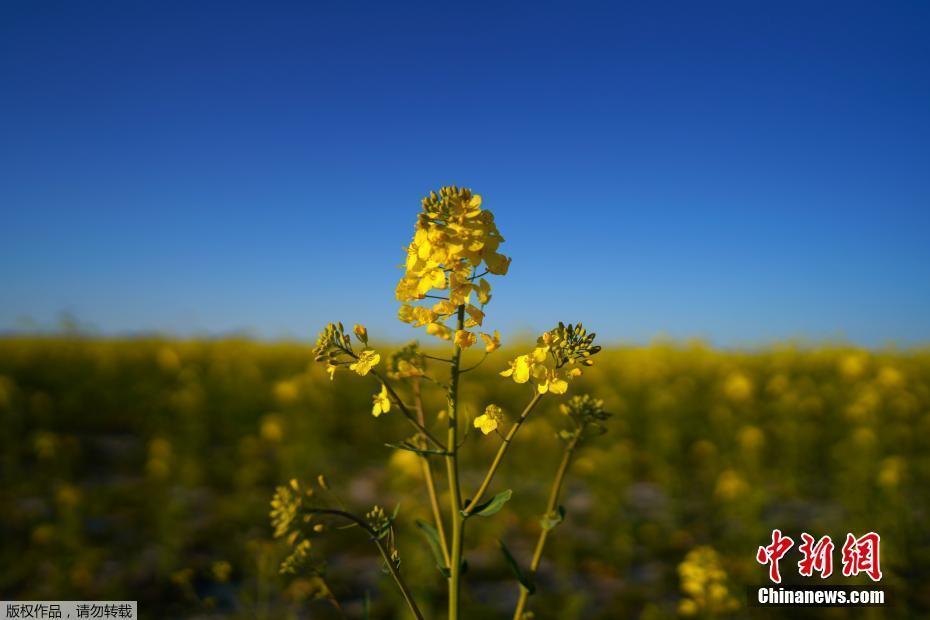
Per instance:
{"type": "Point", "coordinates": [551, 506]}
{"type": "Point", "coordinates": [392, 567]}
{"type": "Point", "coordinates": [479, 494]}
{"type": "Point", "coordinates": [407, 413]}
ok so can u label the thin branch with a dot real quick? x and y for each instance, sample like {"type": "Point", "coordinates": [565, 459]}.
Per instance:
{"type": "Point", "coordinates": [406, 411]}
{"type": "Point", "coordinates": [392, 567]}
{"type": "Point", "coordinates": [500, 455]}
{"type": "Point", "coordinates": [551, 506]}
{"type": "Point", "coordinates": [438, 359]}
{"type": "Point", "coordinates": [479, 363]}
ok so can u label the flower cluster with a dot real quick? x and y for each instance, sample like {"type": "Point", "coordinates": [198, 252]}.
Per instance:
{"type": "Point", "coordinates": [334, 347]}
{"type": "Point", "coordinates": [287, 519]}
{"type": "Point", "coordinates": [454, 237]}
{"type": "Point", "coordinates": [545, 365]}
{"type": "Point", "coordinates": [406, 362]}
{"type": "Point", "coordinates": [586, 413]}
{"type": "Point", "coordinates": [704, 583]}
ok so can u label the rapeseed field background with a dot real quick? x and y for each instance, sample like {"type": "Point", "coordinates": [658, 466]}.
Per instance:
{"type": "Point", "coordinates": [141, 469]}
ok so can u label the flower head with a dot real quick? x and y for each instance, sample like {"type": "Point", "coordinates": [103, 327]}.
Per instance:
{"type": "Point", "coordinates": [557, 357]}
{"type": "Point", "coordinates": [453, 239]}
{"type": "Point", "coordinates": [406, 362]}
{"type": "Point", "coordinates": [334, 348]}
{"type": "Point", "coordinates": [489, 420]}
{"type": "Point", "coordinates": [367, 360]}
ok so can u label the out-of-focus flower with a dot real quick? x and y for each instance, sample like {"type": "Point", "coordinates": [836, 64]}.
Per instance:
{"type": "Point", "coordinates": [464, 339]}
{"type": "Point", "coordinates": [286, 392]}
{"type": "Point", "coordinates": [491, 343]}
{"type": "Point", "coordinates": [382, 402]}
{"type": "Point", "coordinates": [704, 584]}
{"type": "Point", "coordinates": [221, 570]}
{"type": "Point", "coordinates": [737, 387]}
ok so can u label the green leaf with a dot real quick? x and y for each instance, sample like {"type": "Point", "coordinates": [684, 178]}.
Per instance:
{"type": "Point", "coordinates": [432, 537]}
{"type": "Point", "coordinates": [409, 447]}
{"type": "Point", "coordinates": [525, 581]}
{"type": "Point", "coordinates": [552, 519]}
{"type": "Point", "coordinates": [493, 505]}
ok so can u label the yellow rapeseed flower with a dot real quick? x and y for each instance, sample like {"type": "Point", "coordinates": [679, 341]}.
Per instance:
{"type": "Point", "coordinates": [439, 330]}
{"type": "Point", "coordinates": [550, 381]}
{"type": "Point", "coordinates": [455, 242]}
{"type": "Point", "coordinates": [558, 356]}
{"type": "Point", "coordinates": [491, 343]}
{"type": "Point", "coordinates": [382, 402]}
{"type": "Point", "coordinates": [367, 360]}
{"type": "Point", "coordinates": [519, 369]}
{"type": "Point", "coordinates": [488, 422]}
{"type": "Point", "coordinates": [464, 339]}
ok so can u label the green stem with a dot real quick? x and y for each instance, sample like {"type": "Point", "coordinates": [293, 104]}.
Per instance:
{"type": "Point", "coordinates": [500, 453]}
{"type": "Point", "coordinates": [551, 506]}
{"type": "Point", "coordinates": [407, 413]}
{"type": "Point", "coordinates": [428, 478]}
{"type": "Point", "coordinates": [452, 469]}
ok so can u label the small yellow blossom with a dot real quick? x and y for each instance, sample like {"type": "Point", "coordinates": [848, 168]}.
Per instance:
{"type": "Point", "coordinates": [475, 316]}
{"type": "Point", "coordinates": [367, 360]}
{"type": "Point", "coordinates": [491, 343]}
{"type": "Point", "coordinates": [489, 420]}
{"type": "Point", "coordinates": [549, 381]}
{"type": "Point", "coordinates": [382, 402]}
{"type": "Point", "coordinates": [361, 333]}
{"type": "Point", "coordinates": [519, 369]}
{"type": "Point", "coordinates": [464, 339]}
{"type": "Point", "coordinates": [439, 330]}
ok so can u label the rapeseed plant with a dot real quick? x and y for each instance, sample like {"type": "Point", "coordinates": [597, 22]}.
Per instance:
{"type": "Point", "coordinates": [444, 290]}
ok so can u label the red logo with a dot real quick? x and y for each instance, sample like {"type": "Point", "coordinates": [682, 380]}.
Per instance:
{"type": "Point", "coordinates": [860, 555]}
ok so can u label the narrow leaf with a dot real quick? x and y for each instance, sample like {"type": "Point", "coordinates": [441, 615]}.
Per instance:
{"type": "Point", "coordinates": [525, 581]}
{"type": "Point", "coordinates": [432, 537]}
{"type": "Point", "coordinates": [409, 447]}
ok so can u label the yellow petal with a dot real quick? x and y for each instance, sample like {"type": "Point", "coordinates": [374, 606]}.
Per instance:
{"type": "Point", "coordinates": [464, 339]}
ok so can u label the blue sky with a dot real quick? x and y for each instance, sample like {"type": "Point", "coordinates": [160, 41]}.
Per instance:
{"type": "Point", "coordinates": [741, 172]}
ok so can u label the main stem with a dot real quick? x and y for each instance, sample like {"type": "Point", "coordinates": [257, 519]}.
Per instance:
{"type": "Point", "coordinates": [552, 504]}
{"type": "Point", "coordinates": [452, 469]}
{"type": "Point", "coordinates": [428, 477]}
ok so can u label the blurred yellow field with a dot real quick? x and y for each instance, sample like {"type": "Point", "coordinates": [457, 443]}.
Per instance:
{"type": "Point", "coordinates": [142, 469]}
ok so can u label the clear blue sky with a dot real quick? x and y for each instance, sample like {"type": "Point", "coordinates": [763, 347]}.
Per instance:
{"type": "Point", "coordinates": [738, 171]}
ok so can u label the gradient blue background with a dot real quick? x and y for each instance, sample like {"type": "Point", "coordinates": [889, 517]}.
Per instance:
{"type": "Point", "coordinates": [741, 172]}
